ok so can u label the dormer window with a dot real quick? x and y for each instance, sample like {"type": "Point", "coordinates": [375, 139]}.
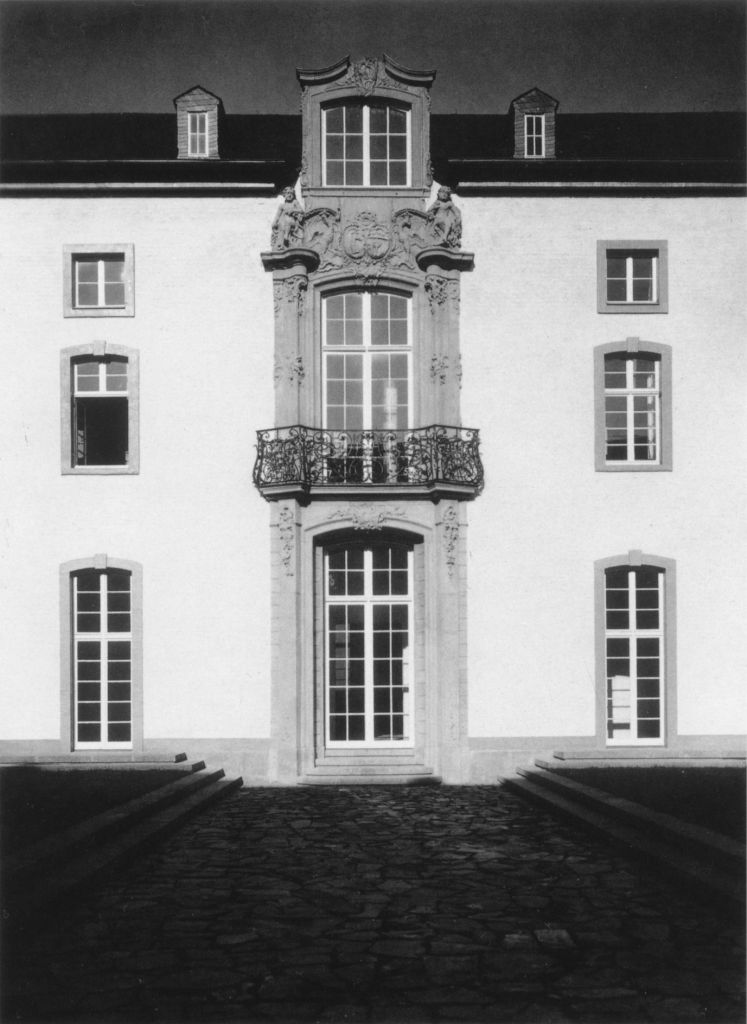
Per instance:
{"type": "Point", "coordinates": [366, 144]}
{"type": "Point", "coordinates": [197, 133]}
{"type": "Point", "coordinates": [534, 125]}
{"type": "Point", "coordinates": [198, 117]}
{"type": "Point", "coordinates": [534, 135]}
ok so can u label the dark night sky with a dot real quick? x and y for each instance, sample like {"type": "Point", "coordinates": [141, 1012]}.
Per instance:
{"type": "Point", "coordinates": [68, 56]}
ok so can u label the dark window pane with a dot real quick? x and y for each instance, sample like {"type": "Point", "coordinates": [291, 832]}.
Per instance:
{"type": "Point", "coordinates": [119, 670]}
{"type": "Point", "coordinates": [618, 647]}
{"type": "Point", "coordinates": [118, 623]}
{"type": "Point", "coordinates": [650, 730]}
{"type": "Point", "coordinates": [334, 117]}
{"type": "Point", "coordinates": [101, 429]}
{"type": "Point", "coordinates": [89, 691]}
{"type": "Point", "coordinates": [355, 700]}
{"type": "Point", "coordinates": [647, 620]}
{"type": "Point", "coordinates": [338, 728]}
{"type": "Point", "coordinates": [616, 291]}
{"type": "Point", "coordinates": [356, 727]}
{"type": "Point", "coordinates": [119, 711]}
{"type": "Point", "coordinates": [119, 650]}
{"type": "Point", "coordinates": [120, 733]}
{"type": "Point", "coordinates": [89, 733]}
{"type": "Point", "coordinates": [377, 119]}
{"type": "Point", "coordinates": [120, 691]}
{"type": "Point", "coordinates": [354, 118]}
{"type": "Point", "coordinates": [379, 173]}
{"type": "Point", "coordinates": [354, 173]}
{"type": "Point", "coordinates": [89, 623]}
{"type": "Point", "coordinates": [89, 670]}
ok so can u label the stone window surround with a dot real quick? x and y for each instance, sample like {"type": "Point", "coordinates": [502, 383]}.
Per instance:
{"type": "Point", "coordinates": [633, 559]}
{"type": "Point", "coordinates": [102, 562]}
{"type": "Point", "coordinates": [628, 347]}
{"type": "Point", "coordinates": [661, 305]}
{"type": "Point", "coordinates": [98, 350]}
{"type": "Point", "coordinates": [69, 253]}
{"type": "Point", "coordinates": [323, 92]}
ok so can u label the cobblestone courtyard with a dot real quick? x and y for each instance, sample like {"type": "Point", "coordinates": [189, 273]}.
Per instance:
{"type": "Point", "coordinates": [375, 904]}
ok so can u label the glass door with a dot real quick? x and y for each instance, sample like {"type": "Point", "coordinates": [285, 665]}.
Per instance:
{"type": "Point", "coordinates": [368, 630]}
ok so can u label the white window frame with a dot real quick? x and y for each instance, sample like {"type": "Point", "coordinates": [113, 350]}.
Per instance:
{"type": "Point", "coordinates": [628, 249]}
{"type": "Point", "coordinates": [666, 568]}
{"type": "Point", "coordinates": [533, 136]}
{"type": "Point", "coordinates": [197, 133]}
{"type": "Point", "coordinates": [631, 348]}
{"type": "Point", "coordinates": [633, 635]}
{"type": "Point", "coordinates": [367, 350]}
{"type": "Point", "coordinates": [368, 599]}
{"type": "Point", "coordinates": [630, 392]}
{"type": "Point", "coordinates": [366, 154]}
{"type": "Point", "coordinates": [74, 254]}
{"type": "Point", "coordinates": [68, 692]}
{"type": "Point", "coordinates": [96, 351]}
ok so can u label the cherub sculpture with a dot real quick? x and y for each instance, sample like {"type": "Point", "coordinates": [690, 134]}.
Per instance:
{"type": "Point", "coordinates": [445, 220]}
{"type": "Point", "coordinates": [287, 228]}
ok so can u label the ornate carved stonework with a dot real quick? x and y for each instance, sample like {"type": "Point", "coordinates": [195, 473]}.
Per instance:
{"type": "Point", "coordinates": [364, 73]}
{"type": "Point", "coordinates": [365, 244]}
{"type": "Point", "coordinates": [290, 290]}
{"type": "Point", "coordinates": [439, 368]}
{"type": "Point", "coordinates": [289, 368]}
{"type": "Point", "coordinates": [287, 228]}
{"type": "Point", "coordinates": [366, 516]}
{"type": "Point", "coordinates": [286, 527]}
{"type": "Point", "coordinates": [450, 523]}
{"type": "Point", "coordinates": [439, 289]}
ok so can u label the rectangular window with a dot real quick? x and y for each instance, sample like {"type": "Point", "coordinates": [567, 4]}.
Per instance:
{"type": "Point", "coordinates": [102, 658]}
{"type": "Point", "coordinates": [98, 280]}
{"type": "Point", "coordinates": [634, 654]}
{"type": "Point", "coordinates": [197, 133]}
{"type": "Point", "coordinates": [366, 145]}
{"type": "Point", "coordinates": [632, 277]}
{"type": "Point", "coordinates": [534, 135]}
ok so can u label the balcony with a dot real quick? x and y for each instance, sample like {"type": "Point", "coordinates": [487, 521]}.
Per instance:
{"type": "Point", "coordinates": [434, 461]}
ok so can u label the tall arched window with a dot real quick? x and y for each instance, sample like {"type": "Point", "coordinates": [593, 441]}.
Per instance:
{"type": "Point", "coordinates": [368, 635]}
{"type": "Point", "coordinates": [102, 672]}
{"type": "Point", "coordinates": [635, 644]}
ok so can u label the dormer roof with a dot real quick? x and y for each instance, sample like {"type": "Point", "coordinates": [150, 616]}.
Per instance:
{"type": "Point", "coordinates": [535, 101]}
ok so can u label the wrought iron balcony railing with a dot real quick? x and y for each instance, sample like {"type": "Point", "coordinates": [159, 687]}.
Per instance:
{"type": "Point", "coordinates": [300, 458]}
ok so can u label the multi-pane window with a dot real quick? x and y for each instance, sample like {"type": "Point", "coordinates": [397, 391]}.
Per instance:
{"type": "Point", "coordinates": [100, 412]}
{"type": "Point", "coordinates": [632, 407]}
{"type": "Point", "coordinates": [197, 133]}
{"type": "Point", "coordinates": [634, 654]}
{"type": "Point", "coordinates": [102, 658]}
{"type": "Point", "coordinates": [367, 353]}
{"type": "Point", "coordinates": [632, 276]}
{"type": "Point", "coordinates": [366, 144]}
{"type": "Point", "coordinates": [99, 281]}
{"type": "Point", "coordinates": [368, 613]}
{"type": "Point", "coordinates": [534, 134]}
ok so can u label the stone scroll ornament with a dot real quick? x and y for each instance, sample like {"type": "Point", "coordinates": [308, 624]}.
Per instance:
{"type": "Point", "coordinates": [365, 244]}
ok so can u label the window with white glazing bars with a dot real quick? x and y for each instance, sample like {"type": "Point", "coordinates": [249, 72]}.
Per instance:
{"type": "Point", "coordinates": [102, 658]}
{"type": "Point", "coordinates": [366, 145]}
{"type": "Point", "coordinates": [634, 654]}
{"type": "Point", "coordinates": [534, 134]}
{"type": "Point", "coordinates": [632, 408]}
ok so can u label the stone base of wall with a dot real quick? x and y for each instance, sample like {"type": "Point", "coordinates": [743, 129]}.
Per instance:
{"type": "Point", "coordinates": [491, 758]}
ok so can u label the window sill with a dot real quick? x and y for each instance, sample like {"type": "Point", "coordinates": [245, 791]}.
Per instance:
{"type": "Point", "coordinates": [97, 311]}
{"type": "Point", "coordinates": [633, 307]}
{"type": "Point", "coordinates": [630, 467]}
{"type": "Point", "coordinates": [100, 470]}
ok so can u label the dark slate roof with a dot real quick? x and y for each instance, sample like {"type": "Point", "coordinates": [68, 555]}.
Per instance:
{"type": "Point", "coordinates": [266, 148]}
{"type": "Point", "coordinates": [143, 148]}
{"type": "Point", "coordinates": [705, 147]}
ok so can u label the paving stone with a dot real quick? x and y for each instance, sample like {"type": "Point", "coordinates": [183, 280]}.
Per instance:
{"type": "Point", "coordinates": [383, 905]}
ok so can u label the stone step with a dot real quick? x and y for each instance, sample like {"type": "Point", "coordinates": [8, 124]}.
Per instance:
{"type": "Point", "coordinates": [650, 756]}
{"type": "Point", "coordinates": [681, 862]}
{"type": "Point", "coordinates": [55, 867]}
{"type": "Point", "coordinates": [98, 759]}
{"type": "Point", "coordinates": [665, 827]}
{"type": "Point", "coordinates": [370, 775]}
